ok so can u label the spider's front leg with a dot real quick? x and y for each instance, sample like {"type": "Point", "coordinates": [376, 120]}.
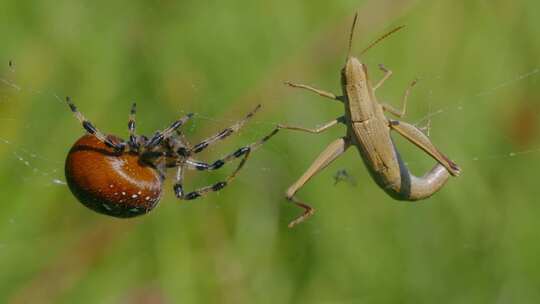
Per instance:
{"type": "Point", "coordinates": [131, 126]}
{"type": "Point", "coordinates": [178, 185]}
{"type": "Point", "coordinates": [165, 134]}
{"type": "Point", "coordinates": [215, 187]}
{"type": "Point", "coordinates": [91, 129]}
{"type": "Point", "coordinates": [224, 133]}
{"type": "Point", "coordinates": [192, 164]}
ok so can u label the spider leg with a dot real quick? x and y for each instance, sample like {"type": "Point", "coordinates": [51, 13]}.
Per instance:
{"type": "Point", "coordinates": [91, 129]}
{"type": "Point", "coordinates": [243, 152]}
{"type": "Point", "coordinates": [217, 186]}
{"type": "Point", "coordinates": [131, 126]}
{"type": "Point", "coordinates": [178, 185]}
{"type": "Point", "coordinates": [160, 136]}
{"type": "Point", "coordinates": [201, 166]}
{"type": "Point", "coordinates": [224, 133]}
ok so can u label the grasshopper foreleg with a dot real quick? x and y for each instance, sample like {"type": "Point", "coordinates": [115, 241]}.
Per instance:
{"type": "Point", "coordinates": [400, 113]}
{"type": "Point", "coordinates": [320, 129]}
{"type": "Point", "coordinates": [314, 90]}
{"type": "Point", "coordinates": [387, 74]}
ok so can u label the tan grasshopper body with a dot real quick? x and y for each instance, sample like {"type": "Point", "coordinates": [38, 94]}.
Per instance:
{"type": "Point", "coordinates": [369, 130]}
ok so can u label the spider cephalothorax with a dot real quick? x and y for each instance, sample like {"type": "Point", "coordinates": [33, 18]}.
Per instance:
{"type": "Point", "coordinates": [124, 178]}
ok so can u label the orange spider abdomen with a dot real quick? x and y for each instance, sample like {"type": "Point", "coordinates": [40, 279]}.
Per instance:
{"type": "Point", "coordinates": [110, 182]}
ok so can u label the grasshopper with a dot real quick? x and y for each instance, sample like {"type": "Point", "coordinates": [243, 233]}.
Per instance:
{"type": "Point", "coordinates": [369, 130]}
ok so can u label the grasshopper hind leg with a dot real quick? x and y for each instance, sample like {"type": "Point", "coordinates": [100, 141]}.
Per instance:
{"type": "Point", "coordinates": [331, 153]}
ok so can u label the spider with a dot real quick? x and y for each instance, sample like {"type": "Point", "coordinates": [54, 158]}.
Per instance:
{"type": "Point", "coordinates": [124, 178]}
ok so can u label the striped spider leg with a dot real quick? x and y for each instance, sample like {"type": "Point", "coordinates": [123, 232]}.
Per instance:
{"type": "Point", "coordinates": [115, 143]}
{"type": "Point", "coordinates": [183, 149]}
{"type": "Point", "coordinates": [134, 142]}
{"type": "Point", "coordinates": [124, 178]}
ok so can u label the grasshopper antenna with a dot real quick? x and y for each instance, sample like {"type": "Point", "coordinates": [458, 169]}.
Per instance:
{"type": "Point", "coordinates": [381, 38]}
{"type": "Point", "coordinates": [351, 35]}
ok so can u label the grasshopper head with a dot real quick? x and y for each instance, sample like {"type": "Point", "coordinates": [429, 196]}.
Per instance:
{"type": "Point", "coordinates": [354, 72]}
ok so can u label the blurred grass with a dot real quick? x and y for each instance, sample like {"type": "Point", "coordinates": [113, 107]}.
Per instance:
{"type": "Point", "coordinates": [474, 242]}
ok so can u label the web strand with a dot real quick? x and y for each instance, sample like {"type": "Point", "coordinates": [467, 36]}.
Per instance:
{"type": "Point", "coordinates": [29, 159]}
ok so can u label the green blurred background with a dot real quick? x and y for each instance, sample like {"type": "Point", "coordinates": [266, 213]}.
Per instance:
{"type": "Point", "coordinates": [476, 241]}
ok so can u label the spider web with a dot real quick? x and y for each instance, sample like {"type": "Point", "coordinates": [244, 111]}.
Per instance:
{"type": "Point", "coordinates": [49, 172]}
{"type": "Point", "coordinates": [461, 105]}
{"type": "Point", "coordinates": [33, 165]}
